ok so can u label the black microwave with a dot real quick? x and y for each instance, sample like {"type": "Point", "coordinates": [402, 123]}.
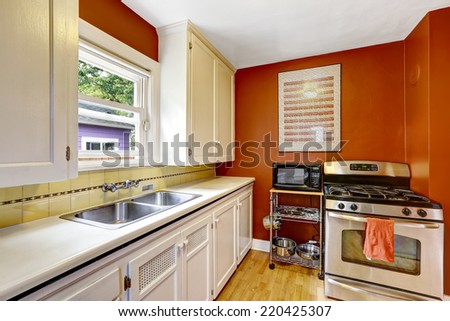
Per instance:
{"type": "Point", "coordinates": [297, 177]}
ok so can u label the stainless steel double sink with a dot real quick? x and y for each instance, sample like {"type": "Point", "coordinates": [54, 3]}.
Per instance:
{"type": "Point", "coordinates": [119, 214]}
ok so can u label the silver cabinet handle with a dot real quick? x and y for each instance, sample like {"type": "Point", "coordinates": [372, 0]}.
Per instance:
{"type": "Point", "coordinates": [405, 223]}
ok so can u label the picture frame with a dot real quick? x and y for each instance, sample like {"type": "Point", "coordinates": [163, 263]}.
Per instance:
{"type": "Point", "coordinates": [309, 103]}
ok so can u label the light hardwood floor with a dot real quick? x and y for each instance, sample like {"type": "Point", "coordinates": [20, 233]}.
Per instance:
{"type": "Point", "coordinates": [254, 281]}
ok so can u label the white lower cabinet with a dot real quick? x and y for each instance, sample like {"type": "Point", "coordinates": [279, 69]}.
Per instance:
{"type": "Point", "coordinates": [175, 267]}
{"type": "Point", "coordinates": [96, 282]}
{"type": "Point", "coordinates": [191, 259]}
{"type": "Point", "coordinates": [197, 260]}
{"type": "Point", "coordinates": [232, 236]}
{"type": "Point", "coordinates": [106, 286]}
{"type": "Point", "coordinates": [155, 272]}
{"type": "Point", "coordinates": [225, 259]}
{"type": "Point", "coordinates": [244, 224]}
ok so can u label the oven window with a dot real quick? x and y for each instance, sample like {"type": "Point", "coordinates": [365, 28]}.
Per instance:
{"type": "Point", "coordinates": [406, 252]}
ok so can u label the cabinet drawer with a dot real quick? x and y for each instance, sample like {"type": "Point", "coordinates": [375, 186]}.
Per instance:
{"type": "Point", "coordinates": [104, 285]}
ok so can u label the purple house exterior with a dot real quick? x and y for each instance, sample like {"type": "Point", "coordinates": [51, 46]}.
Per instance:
{"type": "Point", "coordinates": [100, 128]}
{"type": "Point", "coordinates": [95, 131]}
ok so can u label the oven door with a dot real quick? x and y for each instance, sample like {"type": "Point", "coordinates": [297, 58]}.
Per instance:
{"type": "Point", "coordinates": [418, 265]}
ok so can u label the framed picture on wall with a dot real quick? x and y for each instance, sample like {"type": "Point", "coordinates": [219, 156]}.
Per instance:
{"type": "Point", "coordinates": [309, 103]}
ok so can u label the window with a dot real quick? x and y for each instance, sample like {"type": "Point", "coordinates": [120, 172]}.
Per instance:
{"type": "Point", "coordinates": [112, 106]}
{"type": "Point", "coordinates": [118, 103]}
{"type": "Point", "coordinates": [98, 143]}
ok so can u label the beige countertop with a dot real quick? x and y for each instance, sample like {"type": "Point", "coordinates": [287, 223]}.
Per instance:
{"type": "Point", "coordinates": [34, 252]}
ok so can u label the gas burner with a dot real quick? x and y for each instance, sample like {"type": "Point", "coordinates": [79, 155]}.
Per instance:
{"type": "Point", "coordinates": [358, 193]}
{"type": "Point", "coordinates": [416, 198]}
{"type": "Point", "coordinates": [337, 190]}
{"type": "Point", "coordinates": [397, 198]}
{"type": "Point", "coordinates": [374, 193]}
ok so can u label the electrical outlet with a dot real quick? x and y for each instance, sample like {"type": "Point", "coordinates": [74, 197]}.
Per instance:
{"type": "Point", "coordinates": [146, 188]}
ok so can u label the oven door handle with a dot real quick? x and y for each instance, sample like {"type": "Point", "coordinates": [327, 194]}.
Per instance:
{"type": "Point", "coordinates": [364, 291]}
{"type": "Point", "coordinates": [396, 222]}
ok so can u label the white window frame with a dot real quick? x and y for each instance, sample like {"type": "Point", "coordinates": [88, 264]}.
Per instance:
{"type": "Point", "coordinates": [98, 42]}
{"type": "Point", "coordinates": [114, 65]}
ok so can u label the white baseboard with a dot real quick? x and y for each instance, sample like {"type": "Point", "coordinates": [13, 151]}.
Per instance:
{"type": "Point", "coordinates": [446, 297]}
{"type": "Point", "coordinates": [261, 245]}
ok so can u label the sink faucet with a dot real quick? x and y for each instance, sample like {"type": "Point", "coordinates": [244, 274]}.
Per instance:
{"type": "Point", "coordinates": [109, 187]}
{"type": "Point", "coordinates": [131, 183]}
{"type": "Point", "coordinates": [112, 187]}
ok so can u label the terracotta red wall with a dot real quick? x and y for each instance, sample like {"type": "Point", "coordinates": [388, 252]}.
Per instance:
{"type": "Point", "coordinates": [372, 115]}
{"type": "Point", "coordinates": [439, 122]}
{"type": "Point", "coordinates": [428, 115]}
{"type": "Point", "coordinates": [116, 19]}
{"type": "Point", "coordinates": [417, 105]}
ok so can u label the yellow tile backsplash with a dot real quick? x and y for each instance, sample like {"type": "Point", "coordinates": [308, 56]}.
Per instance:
{"type": "Point", "coordinates": [12, 193]}
{"type": "Point", "coordinates": [96, 197]}
{"type": "Point", "coordinates": [31, 202]}
{"type": "Point", "coordinates": [36, 209]}
{"type": "Point", "coordinates": [96, 178]}
{"type": "Point", "coordinates": [79, 201]}
{"type": "Point", "coordinates": [58, 187]}
{"type": "Point", "coordinates": [111, 175]}
{"type": "Point", "coordinates": [59, 204]}
{"type": "Point", "coordinates": [124, 193]}
{"type": "Point", "coordinates": [11, 214]}
{"type": "Point", "coordinates": [110, 197]}
{"type": "Point", "coordinates": [34, 190]}
{"type": "Point", "coordinates": [81, 181]}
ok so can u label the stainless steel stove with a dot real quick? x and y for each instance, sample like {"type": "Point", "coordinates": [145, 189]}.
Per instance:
{"type": "Point", "coordinates": [356, 190]}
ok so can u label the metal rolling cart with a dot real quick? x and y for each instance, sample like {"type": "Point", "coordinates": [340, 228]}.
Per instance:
{"type": "Point", "coordinates": [286, 213]}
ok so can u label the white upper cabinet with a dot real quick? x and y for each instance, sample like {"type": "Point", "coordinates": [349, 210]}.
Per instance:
{"type": "Point", "coordinates": [38, 91]}
{"type": "Point", "coordinates": [224, 112]}
{"type": "Point", "coordinates": [202, 124]}
{"type": "Point", "coordinates": [197, 98]}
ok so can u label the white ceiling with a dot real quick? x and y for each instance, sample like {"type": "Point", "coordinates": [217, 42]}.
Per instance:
{"type": "Point", "coordinates": [256, 32]}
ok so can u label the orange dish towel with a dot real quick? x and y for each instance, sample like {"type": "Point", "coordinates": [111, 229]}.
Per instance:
{"type": "Point", "coordinates": [379, 242]}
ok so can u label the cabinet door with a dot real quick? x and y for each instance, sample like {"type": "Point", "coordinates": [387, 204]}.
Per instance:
{"type": "Point", "coordinates": [244, 225]}
{"type": "Point", "coordinates": [224, 244]}
{"type": "Point", "coordinates": [224, 112]}
{"type": "Point", "coordinates": [197, 260]}
{"type": "Point", "coordinates": [107, 287]}
{"type": "Point", "coordinates": [155, 272]}
{"type": "Point", "coordinates": [38, 89]}
{"type": "Point", "coordinates": [103, 284]}
{"type": "Point", "coordinates": [202, 99]}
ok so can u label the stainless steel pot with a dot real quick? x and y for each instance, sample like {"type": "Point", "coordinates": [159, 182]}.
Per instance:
{"type": "Point", "coordinates": [283, 246]}
{"type": "Point", "coordinates": [309, 251]}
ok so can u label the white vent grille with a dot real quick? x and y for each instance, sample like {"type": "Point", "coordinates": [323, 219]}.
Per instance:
{"type": "Point", "coordinates": [197, 238]}
{"type": "Point", "coordinates": [157, 266]}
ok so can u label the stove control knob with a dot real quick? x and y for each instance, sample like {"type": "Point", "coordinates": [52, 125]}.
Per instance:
{"type": "Point", "coordinates": [406, 211]}
{"type": "Point", "coordinates": [354, 207]}
{"type": "Point", "coordinates": [341, 206]}
{"type": "Point", "coordinates": [422, 213]}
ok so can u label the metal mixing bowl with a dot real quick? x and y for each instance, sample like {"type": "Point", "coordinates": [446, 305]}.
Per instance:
{"type": "Point", "coordinates": [308, 251]}
{"type": "Point", "coordinates": [283, 246]}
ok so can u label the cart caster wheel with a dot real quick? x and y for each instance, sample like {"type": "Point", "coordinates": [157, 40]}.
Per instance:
{"type": "Point", "coordinates": [271, 266]}
{"type": "Point", "coordinates": [320, 276]}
